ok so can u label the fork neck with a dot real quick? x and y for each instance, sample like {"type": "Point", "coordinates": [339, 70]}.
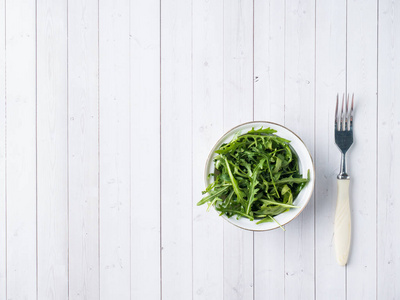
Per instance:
{"type": "Point", "coordinates": [343, 168]}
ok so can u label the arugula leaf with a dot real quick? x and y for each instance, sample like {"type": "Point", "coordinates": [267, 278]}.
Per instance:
{"type": "Point", "coordinates": [262, 131]}
{"type": "Point", "coordinates": [213, 194]}
{"type": "Point", "coordinates": [253, 183]}
{"type": "Point", "coordinates": [256, 177]}
{"type": "Point", "coordinates": [235, 186]}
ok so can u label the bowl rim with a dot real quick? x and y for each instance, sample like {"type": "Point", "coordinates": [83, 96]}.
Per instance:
{"type": "Point", "coordinates": [210, 155]}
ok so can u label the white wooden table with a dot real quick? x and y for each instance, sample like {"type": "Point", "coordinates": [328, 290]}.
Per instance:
{"type": "Point", "coordinates": [109, 108]}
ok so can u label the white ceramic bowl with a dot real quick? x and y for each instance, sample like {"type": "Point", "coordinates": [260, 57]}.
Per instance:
{"type": "Point", "coordinates": [305, 164]}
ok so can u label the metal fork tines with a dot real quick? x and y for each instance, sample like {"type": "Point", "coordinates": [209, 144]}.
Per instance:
{"type": "Point", "coordinates": [344, 131]}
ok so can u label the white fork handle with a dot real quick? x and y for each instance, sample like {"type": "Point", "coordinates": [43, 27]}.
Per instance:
{"type": "Point", "coordinates": [342, 222]}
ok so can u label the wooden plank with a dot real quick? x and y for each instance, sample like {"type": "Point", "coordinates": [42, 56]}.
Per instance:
{"type": "Point", "coordinates": [362, 80]}
{"type": "Point", "coordinates": [3, 214]}
{"type": "Point", "coordinates": [269, 61]}
{"type": "Point", "coordinates": [299, 116]}
{"type": "Point", "coordinates": [83, 146]}
{"type": "Point", "coordinates": [114, 123]}
{"type": "Point", "coordinates": [52, 176]}
{"type": "Point", "coordinates": [207, 129]}
{"type": "Point", "coordinates": [145, 152]}
{"type": "Point", "coordinates": [388, 208]}
{"type": "Point", "coordinates": [238, 108]}
{"type": "Point", "coordinates": [330, 80]}
{"type": "Point", "coordinates": [176, 149]}
{"type": "Point", "coordinates": [269, 28]}
{"type": "Point", "coordinates": [21, 149]}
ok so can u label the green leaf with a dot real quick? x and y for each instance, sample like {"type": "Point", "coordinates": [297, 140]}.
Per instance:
{"type": "Point", "coordinates": [239, 193]}
{"type": "Point", "coordinates": [262, 131]}
{"type": "Point", "coordinates": [253, 183]}
{"type": "Point", "coordinates": [278, 164]}
{"type": "Point", "coordinates": [212, 195]}
{"type": "Point", "coordinates": [285, 189]}
{"type": "Point", "coordinates": [256, 176]}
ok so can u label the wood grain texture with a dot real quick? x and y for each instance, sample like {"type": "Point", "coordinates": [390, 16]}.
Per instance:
{"type": "Point", "coordinates": [269, 83]}
{"type": "Point", "coordinates": [145, 150]}
{"type": "Point", "coordinates": [299, 116]}
{"type": "Point", "coordinates": [115, 167]}
{"type": "Point", "coordinates": [388, 208]}
{"type": "Point", "coordinates": [362, 80]}
{"type": "Point", "coordinates": [83, 149]}
{"type": "Point", "coordinates": [176, 149]}
{"type": "Point", "coordinates": [21, 149]}
{"type": "Point", "coordinates": [3, 210]}
{"type": "Point", "coordinates": [238, 108]}
{"type": "Point", "coordinates": [269, 61]}
{"type": "Point", "coordinates": [52, 161]}
{"type": "Point", "coordinates": [330, 79]}
{"type": "Point", "coordinates": [108, 110]}
{"type": "Point", "coordinates": [207, 129]}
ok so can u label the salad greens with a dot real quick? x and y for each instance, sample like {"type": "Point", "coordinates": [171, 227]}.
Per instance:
{"type": "Point", "coordinates": [256, 176]}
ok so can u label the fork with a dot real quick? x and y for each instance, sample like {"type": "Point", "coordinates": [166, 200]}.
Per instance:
{"type": "Point", "coordinates": [344, 140]}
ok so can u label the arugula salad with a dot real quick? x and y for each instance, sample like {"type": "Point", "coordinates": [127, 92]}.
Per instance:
{"type": "Point", "coordinates": [256, 176]}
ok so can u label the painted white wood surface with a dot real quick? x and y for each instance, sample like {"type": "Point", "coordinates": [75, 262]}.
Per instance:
{"type": "Point", "coordinates": [388, 138]}
{"type": "Point", "coordinates": [362, 81]}
{"type": "Point", "coordinates": [145, 148]}
{"type": "Point", "coordinates": [107, 114]}
{"type": "Point", "coordinates": [207, 122]}
{"type": "Point", "coordinates": [3, 230]}
{"type": "Point", "coordinates": [114, 151]}
{"type": "Point", "coordinates": [52, 150]}
{"type": "Point", "coordinates": [330, 79]}
{"type": "Point", "coordinates": [176, 150]}
{"type": "Point", "coordinates": [21, 144]}
{"type": "Point", "coordinates": [299, 114]}
{"type": "Point", "coordinates": [83, 150]}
